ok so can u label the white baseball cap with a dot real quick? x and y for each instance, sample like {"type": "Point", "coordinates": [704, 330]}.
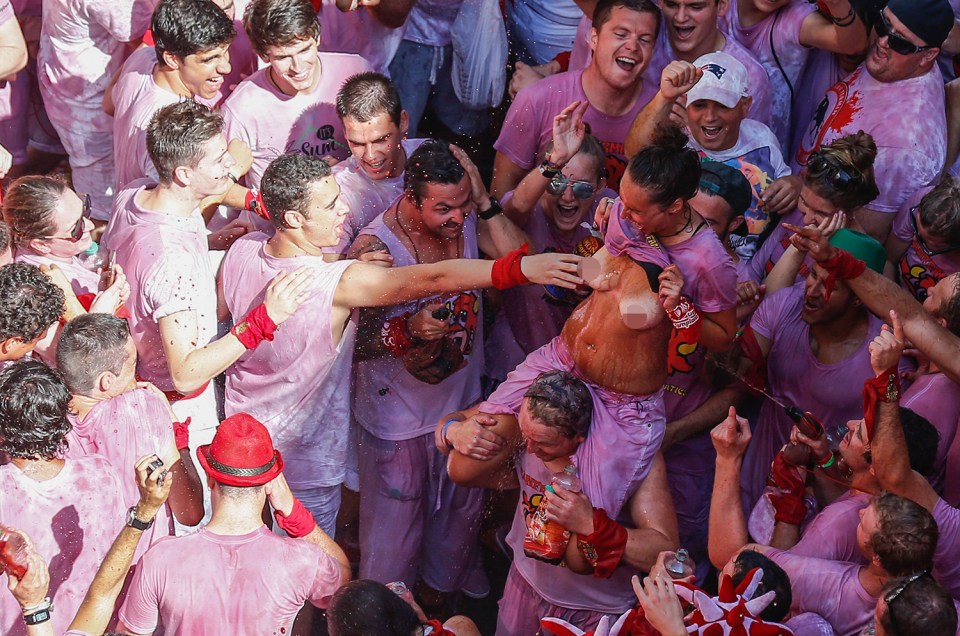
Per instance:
{"type": "Point", "coordinates": [724, 80]}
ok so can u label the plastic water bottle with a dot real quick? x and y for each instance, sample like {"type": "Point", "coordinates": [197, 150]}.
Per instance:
{"type": "Point", "coordinates": [94, 258]}
{"type": "Point", "coordinates": [547, 540]}
{"type": "Point", "coordinates": [678, 566]}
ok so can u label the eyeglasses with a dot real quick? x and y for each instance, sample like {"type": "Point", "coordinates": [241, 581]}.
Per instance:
{"type": "Point", "coordinates": [914, 214]}
{"type": "Point", "coordinates": [839, 177]}
{"type": "Point", "coordinates": [78, 230]}
{"type": "Point", "coordinates": [897, 43]}
{"type": "Point", "coordinates": [895, 593]}
{"type": "Point", "coordinates": [581, 189]}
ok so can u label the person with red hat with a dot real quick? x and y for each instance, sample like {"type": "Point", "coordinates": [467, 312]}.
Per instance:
{"type": "Point", "coordinates": [235, 575]}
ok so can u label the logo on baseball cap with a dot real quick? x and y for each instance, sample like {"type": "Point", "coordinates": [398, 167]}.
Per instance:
{"type": "Point", "coordinates": [724, 80]}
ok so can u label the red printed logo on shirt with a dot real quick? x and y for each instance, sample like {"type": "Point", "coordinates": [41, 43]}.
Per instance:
{"type": "Point", "coordinates": [838, 110]}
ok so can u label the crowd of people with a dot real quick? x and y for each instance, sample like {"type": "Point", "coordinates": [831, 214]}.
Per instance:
{"type": "Point", "coordinates": [690, 328]}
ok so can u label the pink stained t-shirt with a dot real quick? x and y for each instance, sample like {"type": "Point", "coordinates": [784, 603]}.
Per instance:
{"type": "Point", "coordinates": [298, 385]}
{"type": "Point", "coordinates": [82, 280]}
{"type": "Point", "coordinates": [367, 198]}
{"type": "Point", "coordinates": [14, 103]}
{"type": "Point", "coordinates": [358, 32]}
{"type": "Point", "coordinates": [910, 150]}
{"type": "Point", "coordinates": [123, 429]}
{"type": "Point", "coordinates": [557, 584]}
{"type": "Point", "coordinates": [207, 584]}
{"type": "Point", "coordinates": [775, 42]}
{"type": "Point", "coordinates": [832, 392]}
{"type": "Point", "coordinates": [136, 98]}
{"type": "Point", "coordinates": [832, 535]}
{"type": "Point", "coordinates": [82, 46]}
{"type": "Point", "coordinates": [389, 402]}
{"type": "Point", "coordinates": [168, 266]}
{"type": "Point", "coordinates": [831, 589]}
{"type": "Point", "coordinates": [273, 123]}
{"type": "Point", "coordinates": [72, 520]}
{"type": "Point", "coordinates": [936, 398]}
{"type": "Point", "coordinates": [529, 123]}
{"type": "Point", "coordinates": [946, 558]}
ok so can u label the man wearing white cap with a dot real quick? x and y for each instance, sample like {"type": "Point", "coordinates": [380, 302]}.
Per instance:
{"type": "Point", "coordinates": [715, 90]}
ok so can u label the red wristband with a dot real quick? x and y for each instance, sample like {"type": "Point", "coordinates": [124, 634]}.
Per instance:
{"type": "Point", "coordinates": [299, 523]}
{"type": "Point", "coordinates": [254, 203]}
{"type": "Point", "coordinates": [788, 507]}
{"type": "Point", "coordinates": [181, 434]}
{"type": "Point", "coordinates": [255, 328]}
{"type": "Point", "coordinates": [843, 266]}
{"type": "Point", "coordinates": [883, 388]}
{"type": "Point", "coordinates": [395, 336]}
{"type": "Point", "coordinates": [506, 269]}
{"type": "Point", "coordinates": [605, 546]}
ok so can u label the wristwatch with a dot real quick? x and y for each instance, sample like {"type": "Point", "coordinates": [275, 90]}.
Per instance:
{"type": "Point", "coordinates": [133, 522]}
{"type": "Point", "coordinates": [494, 209]}
{"type": "Point", "coordinates": [38, 613]}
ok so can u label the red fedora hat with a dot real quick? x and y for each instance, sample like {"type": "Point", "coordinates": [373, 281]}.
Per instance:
{"type": "Point", "coordinates": [241, 453]}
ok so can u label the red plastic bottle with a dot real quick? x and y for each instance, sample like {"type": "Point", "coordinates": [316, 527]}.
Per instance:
{"type": "Point", "coordinates": [13, 553]}
{"type": "Point", "coordinates": [547, 540]}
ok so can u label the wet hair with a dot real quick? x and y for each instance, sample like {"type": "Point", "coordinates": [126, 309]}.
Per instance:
{"type": "Point", "coordinates": [89, 345]}
{"type": "Point", "coordinates": [571, 408]}
{"type": "Point", "coordinates": [29, 302]}
{"type": "Point", "coordinates": [774, 578]}
{"type": "Point", "coordinates": [368, 608]}
{"type": "Point", "coordinates": [286, 185]}
{"type": "Point", "coordinates": [853, 156]}
{"type": "Point", "coordinates": [5, 240]}
{"type": "Point", "coordinates": [29, 205]}
{"type": "Point", "coordinates": [592, 149]}
{"type": "Point", "coordinates": [187, 27]}
{"type": "Point", "coordinates": [177, 134]}
{"type": "Point", "coordinates": [906, 535]}
{"type": "Point", "coordinates": [667, 168]}
{"type": "Point", "coordinates": [279, 23]}
{"type": "Point", "coordinates": [921, 608]}
{"type": "Point", "coordinates": [604, 10]}
{"type": "Point", "coordinates": [366, 95]}
{"type": "Point", "coordinates": [33, 411]}
{"type": "Point", "coordinates": [431, 163]}
{"type": "Point", "coordinates": [940, 211]}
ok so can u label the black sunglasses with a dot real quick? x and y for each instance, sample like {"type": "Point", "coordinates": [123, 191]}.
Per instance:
{"type": "Point", "coordinates": [896, 43]}
{"type": "Point", "coordinates": [76, 233]}
{"type": "Point", "coordinates": [838, 176]}
{"type": "Point", "coordinates": [914, 213]}
{"type": "Point", "coordinates": [895, 593]}
{"type": "Point", "coordinates": [582, 190]}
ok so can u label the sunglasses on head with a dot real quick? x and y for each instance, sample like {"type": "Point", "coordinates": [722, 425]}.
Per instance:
{"type": "Point", "coordinates": [895, 593]}
{"type": "Point", "coordinates": [77, 231]}
{"type": "Point", "coordinates": [581, 189]}
{"type": "Point", "coordinates": [896, 43]}
{"type": "Point", "coordinates": [839, 177]}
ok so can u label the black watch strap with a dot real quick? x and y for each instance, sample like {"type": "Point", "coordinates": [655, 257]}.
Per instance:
{"type": "Point", "coordinates": [494, 209]}
{"type": "Point", "coordinates": [136, 523]}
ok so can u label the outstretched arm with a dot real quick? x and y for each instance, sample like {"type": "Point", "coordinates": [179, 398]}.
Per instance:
{"type": "Point", "coordinates": [676, 79]}
{"type": "Point", "coordinates": [728, 527]}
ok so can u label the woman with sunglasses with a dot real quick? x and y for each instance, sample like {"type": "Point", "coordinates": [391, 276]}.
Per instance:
{"type": "Point", "coordinates": [838, 178]}
{"type": "Point", "coordinates": [550, 205]}
{"type": "Point", "coordinates": [50, 225]}
{"type": "Point", "coordinates": [925, 241]}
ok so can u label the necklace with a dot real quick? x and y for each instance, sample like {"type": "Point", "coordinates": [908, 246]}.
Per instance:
{"type": "Point", "coordinates": [416, 252]}
{"type": "Point", "coordinates": [685, 227]}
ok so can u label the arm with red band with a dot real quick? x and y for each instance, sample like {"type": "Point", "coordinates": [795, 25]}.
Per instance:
{"type": "Point", "coordinates": [841, 266]}
{"type": "Point", "coordinates": [255, 328]}
{"type": "Point", "coordinates": [788, 502]}
{"type": "Point", "coordinates": [506, 269]}
{"type": "Point", "coordinates": [604, 547]}
{"type": "Point", "coordinates": [883, 388]}
{"type": "Point", "coordinates": [686, 319]}
{"type": "Point", "coordinates": [254, 203]}
{"type": "Point", "coordinates": [181, 434]}
{"type": "Point", "coordinates": [299, 523]}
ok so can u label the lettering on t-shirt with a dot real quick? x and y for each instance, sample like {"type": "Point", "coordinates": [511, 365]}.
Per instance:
{"type": "Point", "coordinates": [616, 163]}
{"type": "Point", "coordinates": [316, 141]}
{"type": "Point", "coordinates": [531, 502]}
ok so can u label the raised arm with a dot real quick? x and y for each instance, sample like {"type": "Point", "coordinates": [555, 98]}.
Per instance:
{"type": "Point", "coordinates": [728, 526]}
{"type": "Point", "coordinates": [891, 461]}
{"type": "Point", "coordinates": [676, 79]}
{"type": "Point", "coordinates": [844, 33]}
{"type": "Point", "coordinates": [494, 472]}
